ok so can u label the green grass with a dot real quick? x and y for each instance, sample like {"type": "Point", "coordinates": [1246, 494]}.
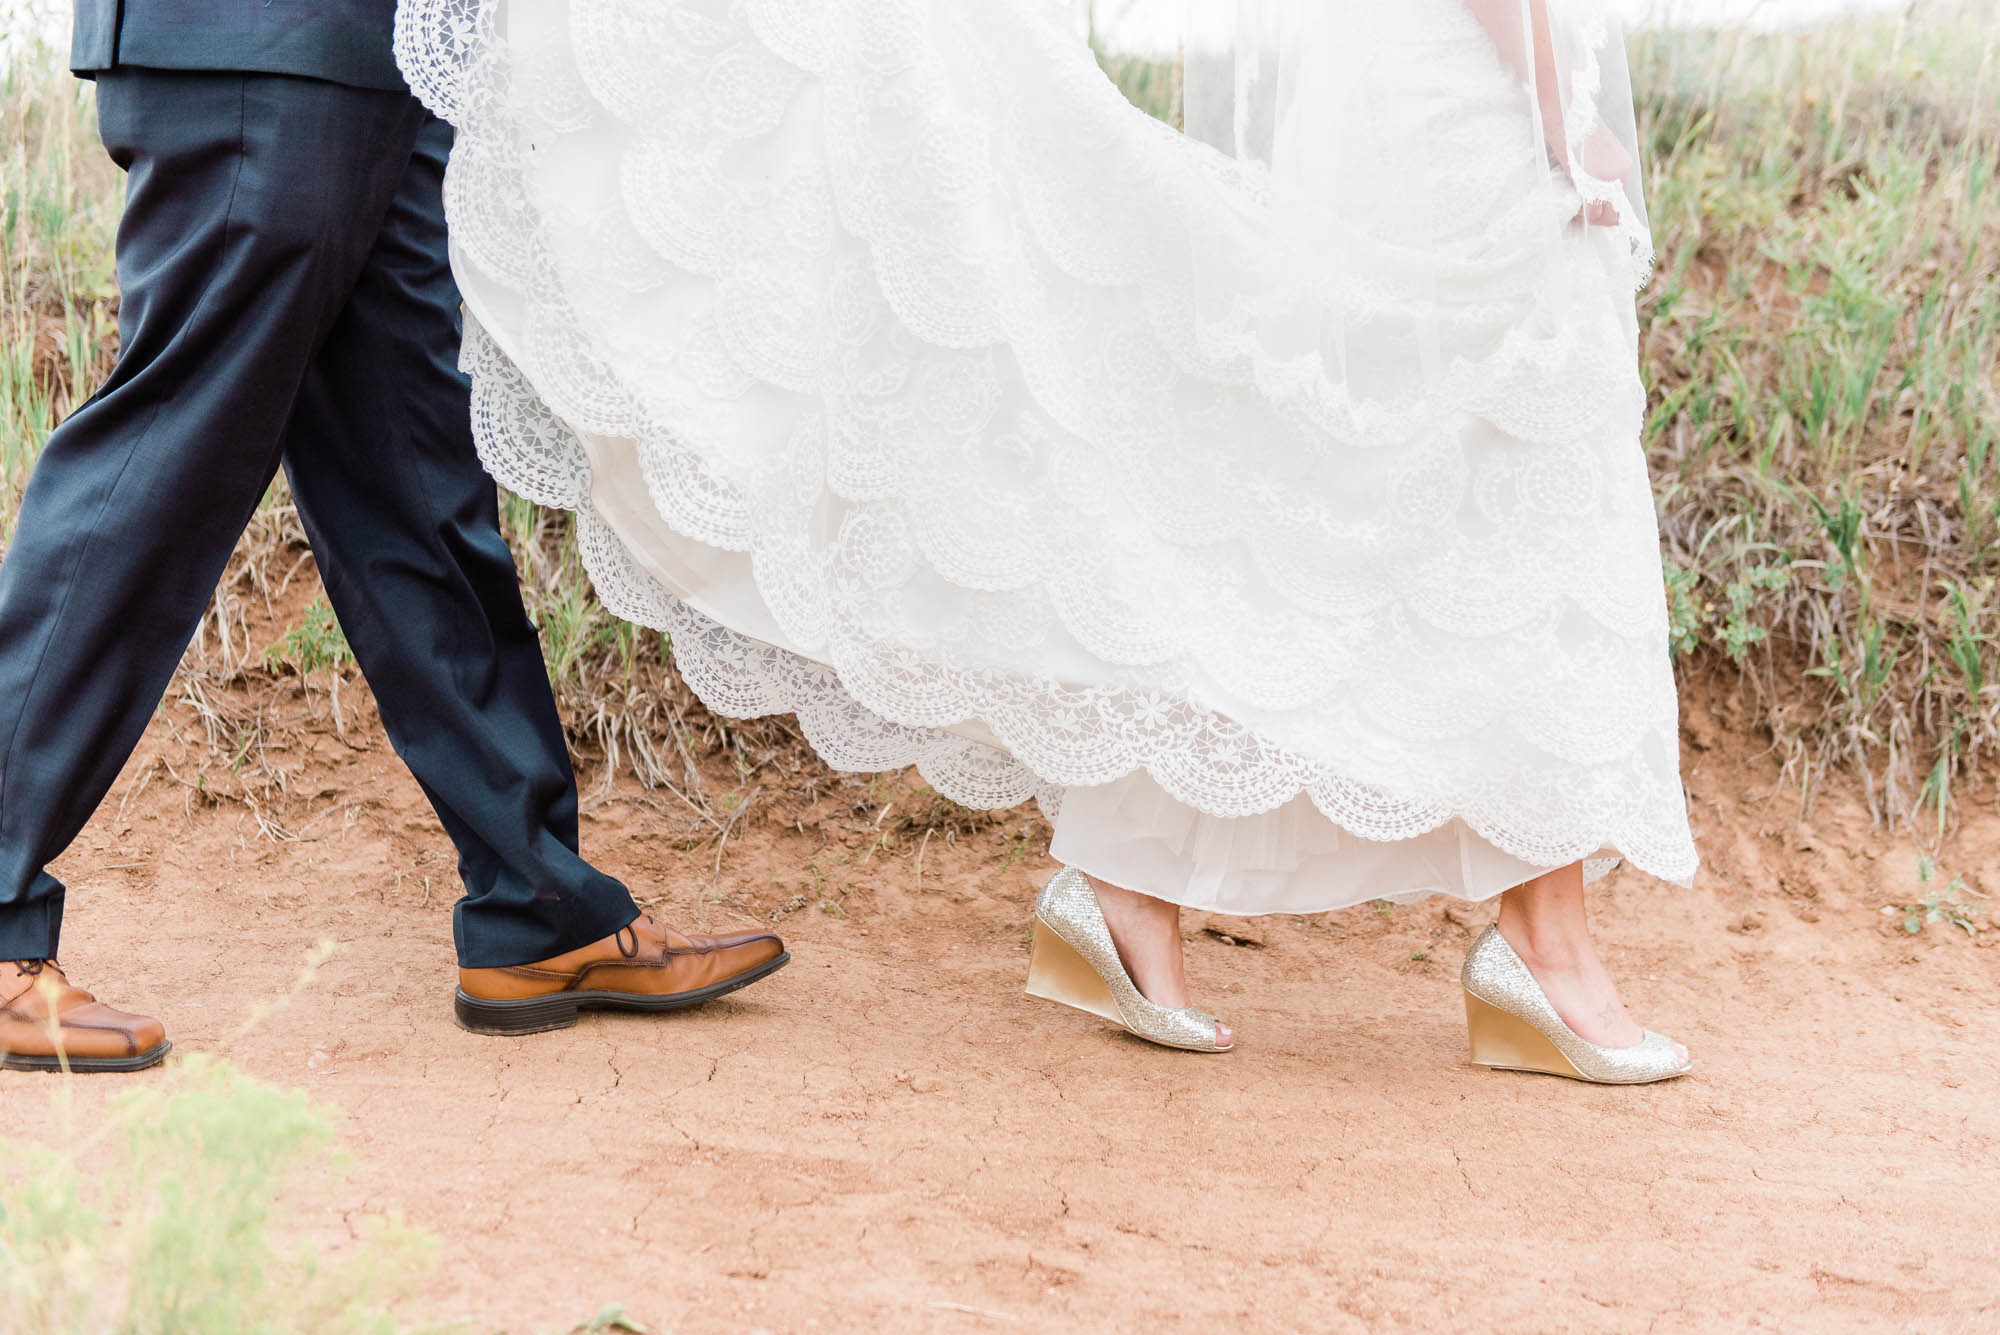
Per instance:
{"type": "Point", "coordinates": [59, 201]}
{"type": "Point", "coordinates": [1822, 340]}
{"type": "Point", "coordinates": [1154, 88]}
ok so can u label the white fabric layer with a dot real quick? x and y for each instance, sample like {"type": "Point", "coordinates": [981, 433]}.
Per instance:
{"type": "Point", "coordinates": [1293, 860]}
{"type": "Point", "coordinates": [869, 342]}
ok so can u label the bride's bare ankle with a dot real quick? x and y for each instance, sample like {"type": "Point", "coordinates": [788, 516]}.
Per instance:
{"type": "Point", "coordinates": [1545, 945]}
{"type": "Point", "coordinates": [1132, 903]}
{"type": "Point", "coordinates": [1546, 922]}
{"type": "Point", "coordinates": [1551, 934]}
{"type": "Point", "coordinates": [1147, 933]}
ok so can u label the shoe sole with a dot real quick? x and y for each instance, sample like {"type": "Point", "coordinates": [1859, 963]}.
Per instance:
{"type": "Point", "coordinates": [23, 1061]}
{"type": "Point", "coordinates": [539, 1015]}
{"type": "Point", "coordinates": [1056, 972]}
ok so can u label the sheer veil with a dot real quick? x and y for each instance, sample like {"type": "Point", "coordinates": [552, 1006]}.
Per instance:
{"type": "Point", "coordinates": [1362, 130]}
{"type": "Point", "coordinates": [1295, 79]}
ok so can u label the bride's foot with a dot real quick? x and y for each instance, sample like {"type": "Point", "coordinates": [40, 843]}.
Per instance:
{"type": "Point", "coordinates": [1545, 923]}
{"type": "Point", "coordinates": [1537, 998]}
{"type": "Point", "coordinates": [1117, 955]}
{"type": "Point", "coordinates": [1147, 932]}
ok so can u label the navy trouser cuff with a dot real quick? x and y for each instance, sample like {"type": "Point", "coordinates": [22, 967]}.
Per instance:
{"type": "Point", "coordinates": [33, 931]}
{"type": "Point", "coordinates": [501, 940]}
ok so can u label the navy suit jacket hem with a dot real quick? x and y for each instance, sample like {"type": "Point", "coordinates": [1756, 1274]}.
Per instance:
{"type": "Point", "coordinates": [343, 41]}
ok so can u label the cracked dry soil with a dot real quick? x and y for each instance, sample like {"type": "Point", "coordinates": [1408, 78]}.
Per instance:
{"type": "Point", "coordinates": [888, 1136]}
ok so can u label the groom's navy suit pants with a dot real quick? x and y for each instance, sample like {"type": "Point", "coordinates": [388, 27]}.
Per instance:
{"type": "Point", "coordinates": [287, 301]}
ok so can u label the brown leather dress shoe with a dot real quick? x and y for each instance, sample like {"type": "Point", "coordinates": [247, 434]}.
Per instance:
{"type": "Point", "coordinates": [86, 1035]}
{"type": "Point", "coordinates": [641, 967]}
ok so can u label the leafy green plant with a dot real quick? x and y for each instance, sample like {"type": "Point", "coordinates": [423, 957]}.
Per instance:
{"type": "Point", "coordinates": [612, 1320]}
{"type": "Point", "coordinates": [173, 1219]}
{"type": "Point", "coordinates": [1739, 629]}
{"type": "Point", "coordinates": [1684, 617]}
{"type": "Point", "coordinates": [316, 643]}
{"type": "Point", "coordinates": [1947, 906]}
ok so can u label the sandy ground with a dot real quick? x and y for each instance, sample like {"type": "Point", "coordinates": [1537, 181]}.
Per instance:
{"type": "Point", "coordinates": [889, 1136]}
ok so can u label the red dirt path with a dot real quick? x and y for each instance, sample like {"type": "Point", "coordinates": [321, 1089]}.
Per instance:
{"type": "Point", "coordinates": [888, 1136]}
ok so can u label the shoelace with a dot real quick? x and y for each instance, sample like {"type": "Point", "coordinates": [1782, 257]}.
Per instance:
{"type": "Point", "coordinates": [31, 970]}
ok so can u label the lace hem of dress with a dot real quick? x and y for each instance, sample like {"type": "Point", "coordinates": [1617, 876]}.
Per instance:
{"type": "Point", "coordinates": [1235, 774]}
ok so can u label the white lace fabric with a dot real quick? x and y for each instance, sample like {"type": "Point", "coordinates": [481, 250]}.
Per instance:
{"type": "Point", "coordinates": [952, 406]}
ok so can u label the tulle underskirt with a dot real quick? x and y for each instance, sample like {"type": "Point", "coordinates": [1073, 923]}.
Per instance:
{"type": "Point", "coordinates": [1292, 860]}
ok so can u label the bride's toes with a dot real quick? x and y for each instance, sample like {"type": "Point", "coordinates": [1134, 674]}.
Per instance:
{"type": "Point", "coordinates": [1225, 1037]}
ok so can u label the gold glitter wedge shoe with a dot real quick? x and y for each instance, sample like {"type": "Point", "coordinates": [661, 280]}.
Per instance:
{"type": "Point", "coordinates": [1513, 1027]}
{"type": "Point", "coordinates": [1075, 962]}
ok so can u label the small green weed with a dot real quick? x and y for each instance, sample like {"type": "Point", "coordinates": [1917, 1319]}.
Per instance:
{"type": "Point", "coordinates": [1946, 906]}
{"type": "Point", "coordinates": [314, 644]}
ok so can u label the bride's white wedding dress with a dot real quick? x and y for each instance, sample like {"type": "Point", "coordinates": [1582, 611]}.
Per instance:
{"type": "Point", "coordinates": [1279, 519]}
